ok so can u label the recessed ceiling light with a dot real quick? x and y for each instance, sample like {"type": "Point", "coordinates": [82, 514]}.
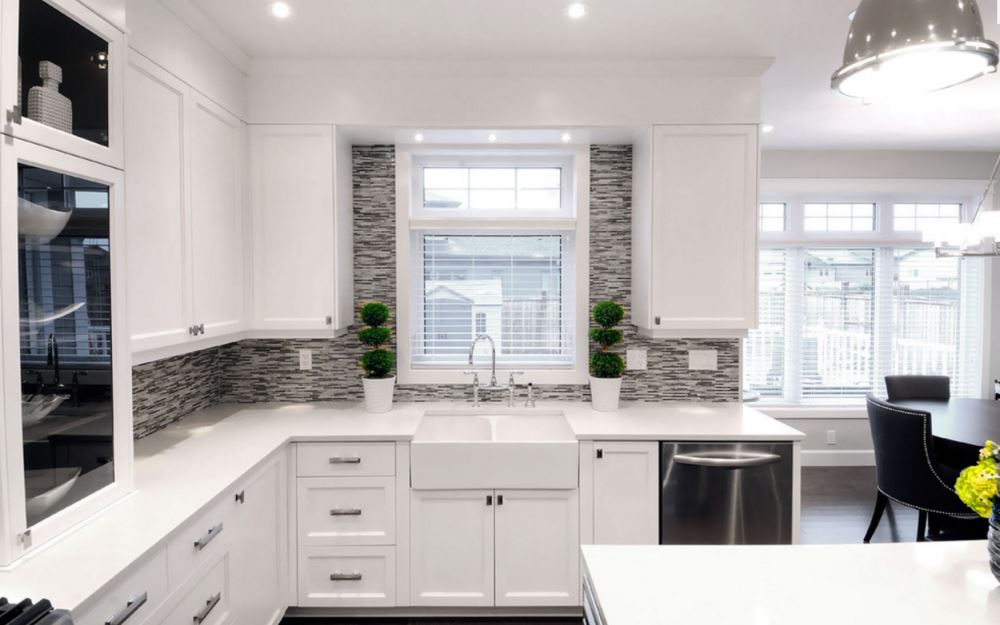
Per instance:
{"type": "Point", "coordinates": [492, 138]}
{"type": "Point", "coordinates": [767, 128]}
{"type": "Point", "coordinates": [576, 11]}
{"type": "Point", "coordinates": [850, 16]}
{"type": "Point", "coordinates": [419, 137]}
{"type": "Point", "coordinates": [566, 137]}
{"type": "Point", "coordinates": [280, 10]}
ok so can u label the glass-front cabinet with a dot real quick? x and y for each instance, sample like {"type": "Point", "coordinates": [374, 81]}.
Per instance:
{"type": "Point", "coordinates": [62, 78]}
{"type": "Point", "coordinates": [66, 374]}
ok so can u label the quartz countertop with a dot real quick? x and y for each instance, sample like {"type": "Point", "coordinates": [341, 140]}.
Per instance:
{"type": "Point", "coordinates": [182, 468]}
{"type": "Point", "coordinates": [916, 583]}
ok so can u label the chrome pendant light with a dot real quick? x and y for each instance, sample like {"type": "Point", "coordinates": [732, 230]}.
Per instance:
{"type": "Point", "coordinates": [903, 47]}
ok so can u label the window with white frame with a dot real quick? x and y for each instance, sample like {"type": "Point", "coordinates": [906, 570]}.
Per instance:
{"type": "Point", "coordinates": [836, 316]}
{"type": "Point", "coordinates": [493, 252]}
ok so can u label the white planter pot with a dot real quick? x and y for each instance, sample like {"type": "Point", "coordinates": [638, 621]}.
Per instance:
{"type": "Point", "coordinates": [604, 393]}
{"type": "Point", "coordinates": [378, 394]}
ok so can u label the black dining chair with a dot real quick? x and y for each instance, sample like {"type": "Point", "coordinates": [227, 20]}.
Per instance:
{"type": "Point", "coordinates": [906, 468]}
{"type": "Point", "coordinates": [926, 387]}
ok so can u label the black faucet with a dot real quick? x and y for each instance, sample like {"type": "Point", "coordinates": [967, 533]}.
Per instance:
{"type": "Point", "coordinates": [39, 382]}
{"type": "Point", "coordinates": [53, 360]}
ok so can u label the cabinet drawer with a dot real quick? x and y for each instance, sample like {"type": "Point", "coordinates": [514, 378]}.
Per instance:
{"type": "Point", "coordinates": [199, 541]}
{"type": "Point", "coordinates": [346, 459]}
{"type": "Point", "coordinates": [346, 510]}
{"type": "Point", "coordinates": [206, 602]}
{"type": "Point", "coordinates": [347, 576]}
{"type": "Point", "coordinates": [142, 588]}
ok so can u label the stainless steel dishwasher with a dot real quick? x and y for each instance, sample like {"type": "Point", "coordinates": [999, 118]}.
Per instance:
{"type": "Point", "coordinates": [725, 493]}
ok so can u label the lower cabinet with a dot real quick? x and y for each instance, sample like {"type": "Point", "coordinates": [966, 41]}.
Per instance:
{"type": "Point", "coordinates": [451, 548]}
{"type": "Point", "coordinates": [626, 493]}
{"type": "Point", "coordinates": [503, 548]}
{"type": "Point", "coordinates": [256, 552]}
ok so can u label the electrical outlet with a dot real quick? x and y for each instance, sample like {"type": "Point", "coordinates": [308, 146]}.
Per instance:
{"type": "Point", "coordinates": [636, 359]}
{"type": "Point", "coordinates": [831, 437]}
{"type": "Point", "coordinates": [305, 359]}
{"type": "Point", "coordinates": [703, 360]}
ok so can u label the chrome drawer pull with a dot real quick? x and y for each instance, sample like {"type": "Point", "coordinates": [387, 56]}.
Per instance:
{"type": "Point", "coordinates": [727, 460]}
{"type": "Point", "coordinates": [202, 542]}
{"type": "Point", "coordinates": [209, 606]}
{"type": "Point", "coordinates": [345, 460]}
{"type": "Point", "coordinates": [345, 512]}
{"type": "Point", "coordinates": [345, 577]}
{"type": "Point", "coordinates": [131, 607]}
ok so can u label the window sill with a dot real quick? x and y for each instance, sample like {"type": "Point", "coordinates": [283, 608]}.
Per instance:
{"type": "Point", "coordinates": [457, 375]}
{"type": "Point", "coordinates": [813, 411]}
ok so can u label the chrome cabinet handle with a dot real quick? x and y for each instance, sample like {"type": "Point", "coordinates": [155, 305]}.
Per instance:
{"type": "Point", "coordinates": [14, 114]}
{"type": "Point", "coordinates": [201, 543]}
{"type": "Point", "coordinates": [730, 460]}
{"type": "Point", "coordinates": [209, 606]}
{"type": "Point", "coordinates": [345, 577]}
{"type": "Point", "coordinates": [131, 606]}
{"type": "Point", "coordinates": [329, 320]}
{"type": "Point", "coordinates": [345, 512]}
{"type": "Point", "coordinates": [201, 328]}
{"type": "Point", "coordinates": [345, 460]}
{"type": "Point", "coordinates": [241, 497]}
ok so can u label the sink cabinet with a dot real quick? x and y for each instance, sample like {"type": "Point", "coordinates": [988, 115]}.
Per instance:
{"type": "Point", "coordinates": [508, 548]}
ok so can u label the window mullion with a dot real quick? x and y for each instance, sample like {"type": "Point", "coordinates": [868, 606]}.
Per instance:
{"type": "Point", "coordinates": [794, 319]}
{"type": "Point", "coordinates": [884, 317]}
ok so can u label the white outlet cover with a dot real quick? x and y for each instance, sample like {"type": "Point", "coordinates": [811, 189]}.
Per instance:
{"type": "Point", "coordinates": [305, 359]}
{"type": "Point", "coordinates": [703, 360]}
{"type": "Point", "coordinates": [636, 359]}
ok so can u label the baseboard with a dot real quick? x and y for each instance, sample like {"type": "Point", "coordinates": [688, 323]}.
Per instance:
{"type": "Point", "coordinates": [484, 613]}
{"type": "Point", "coordinates": [838, 458]}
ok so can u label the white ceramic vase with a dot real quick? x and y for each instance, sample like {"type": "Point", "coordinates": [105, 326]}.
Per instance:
{"type": "Point", "coordinates": [378, 393]}
{"type": "Point", "coordinates": [604, 393]}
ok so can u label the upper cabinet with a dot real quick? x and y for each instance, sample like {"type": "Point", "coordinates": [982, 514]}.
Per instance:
{"type": "Point", "coordinates": [62, 76]}
{"type": "Point", "coordinates": [184, 167]}
{"type": "Point", "coordinates": [301, 268]}
{"type": "Point", "coordinates": [695, 232]}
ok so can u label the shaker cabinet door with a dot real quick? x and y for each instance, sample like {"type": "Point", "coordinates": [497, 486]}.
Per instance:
{"type": "Point", "coordinates": [157, 218]}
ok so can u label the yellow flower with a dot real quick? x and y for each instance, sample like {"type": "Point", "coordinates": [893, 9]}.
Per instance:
{"type": "Point", "coordinates": [977, 486]}
{"type": "Point", "coordinates": [989, 451]}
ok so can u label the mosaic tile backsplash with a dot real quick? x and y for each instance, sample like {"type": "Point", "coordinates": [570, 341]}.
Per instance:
{"type": "Point", "coordinates": [259, 370]}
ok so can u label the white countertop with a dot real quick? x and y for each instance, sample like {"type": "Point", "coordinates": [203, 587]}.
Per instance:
{"type": "Point", "coordinates": [182, 468]}
{"type": "Point", "coordinates": [913, 583]}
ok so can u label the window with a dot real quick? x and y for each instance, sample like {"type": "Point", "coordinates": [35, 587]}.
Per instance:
{"type": "Point", "coordinates": [772, 218]}
{"type": "Point", "coordinates": [920, 217]}
{"type": "Point", "coordinates": [492, 188]}
{"type": "Point", "coordinates": [509, 287]}
{"type": "Point", "coordinates": [835, 320]}
{"type": "Point", "coordinates": [839, 217]}
{"type": "Point", "coordinates": [492, 250]}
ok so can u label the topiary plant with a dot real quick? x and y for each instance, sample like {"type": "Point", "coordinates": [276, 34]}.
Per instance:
{"type": "Point", "coordinates": [376, 362]}
{"type": "Point", "coordinates": [605, 363]}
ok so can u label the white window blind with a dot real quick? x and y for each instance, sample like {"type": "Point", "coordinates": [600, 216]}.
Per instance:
{"type": "Point", "coordinates": [513, 287]}
{"type": "Point", "coordinates": [835, 322]}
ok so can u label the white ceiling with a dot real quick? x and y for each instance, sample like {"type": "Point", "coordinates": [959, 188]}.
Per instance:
{"type": "Point", "coordinates": [804, 36]}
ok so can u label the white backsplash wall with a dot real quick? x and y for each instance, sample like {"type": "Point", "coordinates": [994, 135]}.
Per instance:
{"type": "Point", "coordinates": [261, 370]}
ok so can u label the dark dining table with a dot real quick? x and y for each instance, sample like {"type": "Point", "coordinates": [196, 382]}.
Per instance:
{"type": "Point", "coordinates": [965, 421]}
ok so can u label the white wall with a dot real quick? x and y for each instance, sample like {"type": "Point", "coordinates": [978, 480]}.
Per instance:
{"type": "Point", "coordinates": [158, 33]}
{"type": "Point", "coordinates": [508, 94]}
{"type": "Point", "coordinates": [877, 164]}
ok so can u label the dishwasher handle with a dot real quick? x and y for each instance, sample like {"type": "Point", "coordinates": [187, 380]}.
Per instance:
{"type": "Point", "coordinates": [727, 459]}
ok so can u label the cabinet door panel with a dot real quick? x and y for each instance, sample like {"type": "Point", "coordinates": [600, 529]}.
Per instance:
{"type": "Point", "coordinates": [159, 288]}
{"type": "Point", "coordinates": [704, 258]}
{"type": "Point", "coordinates": [451, 548]}
{"type": "Point", "coordinates": [216, 217]}
{"type": "Point", "coordinates": [293, 253]}
{"type": "Point", "coordinates": [626, 493]}
{"type": "Point", "coordinates": [538, 548]}
{"type": "Point", "coordinates": [255, 548]}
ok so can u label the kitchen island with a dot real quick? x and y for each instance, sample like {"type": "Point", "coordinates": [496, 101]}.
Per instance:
{"type": "Point", "coordinates": [913, 583]}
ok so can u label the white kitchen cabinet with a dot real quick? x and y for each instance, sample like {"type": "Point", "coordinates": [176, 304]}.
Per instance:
{"type": "Point", "coordinates": [347, 576]}
{"type": "Point", "coordinates": [184, 165]}
{"type": "Point", "coordinates": [298, 262]}
{"type": "Point", "coordinates": [256, 547]}
{"type": "Point", "coordinates": [451, 548]}
{"type": "Point", "coordinates": [537, 548]}
{"type": "Point", "coordinates": [90, 57]}
{"type": "Point", "coordinates": [626, 493]}
{"type": "Point", "coordinates": [216, 158]}
{"type": "Point", "coordinates": [695, 232]}
{"type": "Point", "coordinates": [346, 511]}
{"type": "Point", "coordinates": [158, 225]}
